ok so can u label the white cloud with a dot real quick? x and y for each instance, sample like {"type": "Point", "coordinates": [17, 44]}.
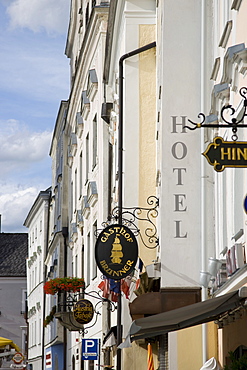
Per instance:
{"type": "Point", "coordinates": [19, 145]}
{"type": "Point", "coordinates": [24, 171]}
{"type": "Point", "coordinates": [39, 15]}
{"type": "Point", "coordinates": [15, 204]}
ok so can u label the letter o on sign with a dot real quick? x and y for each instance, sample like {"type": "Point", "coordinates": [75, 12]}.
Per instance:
{"type": "Point", "coordinates": [179, 150]}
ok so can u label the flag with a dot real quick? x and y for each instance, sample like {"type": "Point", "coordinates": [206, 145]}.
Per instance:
{"type": "Point", "coordinates": [125, 285]}
{"type": "Point", "coordinates": [114, 290]}
{"type": "Point", "coordinates": [105, 287]}
{"type": "Point", "coordinates": [110, 289]}
{"type": "Point", "coordinates": [139, 270]}
{"type": "Point", "coordinates": [150, 358]}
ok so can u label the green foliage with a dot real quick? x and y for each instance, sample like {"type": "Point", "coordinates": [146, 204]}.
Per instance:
{"type": "Point", "coordinates": [50, 317]}
{"type": "Point", "coordinates": [237, 364]}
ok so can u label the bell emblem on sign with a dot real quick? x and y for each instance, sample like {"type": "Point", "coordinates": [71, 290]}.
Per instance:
{"type": "Point", "coordinates": [116, 252]}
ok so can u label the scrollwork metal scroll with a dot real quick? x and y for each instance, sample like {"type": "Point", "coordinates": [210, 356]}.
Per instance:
{"type": "Point", "coordinates": [226, 111]}
{"type": "Point", "coordinates": [131, 216]}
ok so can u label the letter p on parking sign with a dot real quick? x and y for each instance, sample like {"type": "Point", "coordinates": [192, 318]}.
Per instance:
{"type": "Point", "coordinates": [90, 349]}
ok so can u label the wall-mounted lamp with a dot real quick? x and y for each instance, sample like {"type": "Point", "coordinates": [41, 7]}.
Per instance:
{"type": "Point", "coordinates": [153, 270]}
{"type": "Point", "coordinates": [214, 266]}
{"type": "Point", "coordinates": [211, 364]}
{"type": "Point", "coordinates": [238, 235]}
{"type": "Point", "coordinates": [207, 276]}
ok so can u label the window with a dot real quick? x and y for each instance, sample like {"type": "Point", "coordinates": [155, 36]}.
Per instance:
{"type": "Point", "coordinates": [40, 332]}
{"type": "Point", "coordinates": [88, 259]}
{"type": "Point", "coordinates": [87, 159]}
{"type": "Point", "coordinates": [32, 282]}
{"type": "Point", "coordinates": [76, 263]}
{"type": "Point", "coordinates": [40, 272]}
{"type": "Point", "coordinates": [95, 144]}
{"type": "Point", "coordinates": [71, 200]}
{"type": "Point", "coordinates": [82, 261]}
{"type": "Point", "coordinates": [35, 333]}
{"type": "Point", "coordinates": [94, 269]}
{"type": "Point", "coordinates": [110, 160]}
{"type": "Point", "coordinates": [35, 276]}
{"type": "Point", "coordinates": [23, 301]}
{"type": "Point", "coordinates": [75, 188]}
{"type": "Point", "coordinates": [80, 175]}
{"type": "Point", "coordinates": [87, 14]}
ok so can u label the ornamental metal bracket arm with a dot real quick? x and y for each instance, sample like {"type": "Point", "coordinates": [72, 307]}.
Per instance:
{"type": "Point", "coordinates": [72, 298]}
{"type": "Point", "coordinates": [233, 123]}
{"type": "Point", "coordinates": [132, 215]}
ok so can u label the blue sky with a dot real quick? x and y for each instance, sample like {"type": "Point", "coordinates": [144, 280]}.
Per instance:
{"type": "Point", "coordinates": [34, 78]}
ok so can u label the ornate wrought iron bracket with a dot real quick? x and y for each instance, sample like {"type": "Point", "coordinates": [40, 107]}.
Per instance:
{"type": "Point", "coordinates": [233, 123]}
{"type": "Point", "coordinates": [131, 216]}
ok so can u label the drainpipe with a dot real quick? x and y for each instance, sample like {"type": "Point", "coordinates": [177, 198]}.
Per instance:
{"type": "Point", "coordinates": [120, 176]}
{"type": "Point", "coordinates": [65, 234]}
{"type": "Point", "coordinates": [203, 174]}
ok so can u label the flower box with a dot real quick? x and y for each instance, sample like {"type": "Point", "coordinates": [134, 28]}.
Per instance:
{"type": "Point", "coordinates": [64, 284]}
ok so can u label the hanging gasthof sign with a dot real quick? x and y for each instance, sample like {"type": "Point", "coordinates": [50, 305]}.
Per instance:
{"type": "Point", "coordinates": [116, 251]}
{"type": "Point", "coordinates": [83, 311]}
{"type": "Point", "coordinates": [221, 154]}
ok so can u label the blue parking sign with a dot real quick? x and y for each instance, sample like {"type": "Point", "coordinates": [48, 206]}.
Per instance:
{"type": "Point", "coordinates": [90, 349]}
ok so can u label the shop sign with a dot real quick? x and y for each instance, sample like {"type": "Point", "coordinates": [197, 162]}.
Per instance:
{"type": "Point", "coordinates": [116, 251]}
{"type": "Point", "coordinates": [83, 311]}
{"type": "Point", "coordinates": [221, 154]}
{"type": "Point", "coordinates": [90, 349]}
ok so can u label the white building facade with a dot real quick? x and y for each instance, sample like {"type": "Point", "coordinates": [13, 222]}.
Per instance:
{"type": "Point", "coordinates": [37, 222]}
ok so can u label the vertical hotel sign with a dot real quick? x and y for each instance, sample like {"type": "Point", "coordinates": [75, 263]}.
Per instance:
{"type": "Point", "coordinates": [116, 251]}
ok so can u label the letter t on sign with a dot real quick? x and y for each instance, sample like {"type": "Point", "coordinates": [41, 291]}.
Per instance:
{"type": "Point", "coordinates": [180, 180]}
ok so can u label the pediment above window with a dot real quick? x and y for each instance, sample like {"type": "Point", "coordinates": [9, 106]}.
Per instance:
{"type": "Point", "coordinates": [234, 56]}
{"type": "Point", "coordinates": [220, 97]}
{"type": "Point", "coordinates": [85, 105]}
{"type": "Point", "coordinates": [70, 156]}
{"type": "Point", "coordinates": [85, 207]}
{"type": "Point", "coordinates": [79, 124]}
{"type": "Point", "coordinates": [234, 63]}
{"type": "Point", "coordinates": [92, 193]}
{"type": "Point", "coordinates": [73, 144]}
{"type": "Point", "coordinates": [79, 218]}
{"type": "Point", "coordinates": [92, 86]}
{"type": "Point", "coordinates": [73, 232]}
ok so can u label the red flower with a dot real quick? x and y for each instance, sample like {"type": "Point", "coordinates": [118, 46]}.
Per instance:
{"type": "Point", "coordinates": [67, 284]}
